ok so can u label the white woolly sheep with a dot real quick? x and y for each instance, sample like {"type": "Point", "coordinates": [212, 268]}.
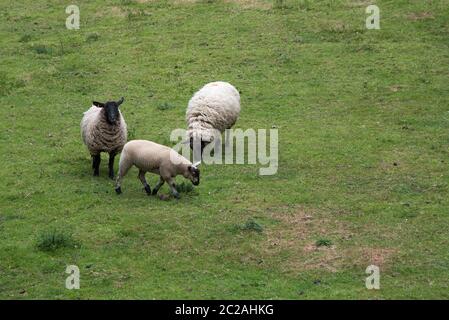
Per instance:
{"type": "Point", "coordinates": [103, 129]}
{"type": "Point", "coordinates": [216, 106]}
{"type": "Point", "coordinates": [149, 156]}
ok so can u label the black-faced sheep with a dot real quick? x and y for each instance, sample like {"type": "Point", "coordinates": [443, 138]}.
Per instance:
{"type": "Point", "coordinates": [103, 129]}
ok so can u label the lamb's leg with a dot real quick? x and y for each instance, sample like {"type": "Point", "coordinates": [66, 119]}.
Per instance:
{"type": "Point", "coordinates": [172, 184]}
{"type": "Point", "coordinates": [144, 182]}
{"type": "Point", "coordinates": [111, 164]}
{"type": "Point", "coordinates": [96, 159]}
{"type": "Point", "coordinates": [158, 185]}
{"type": "Point", "coordinates": [122, 171]}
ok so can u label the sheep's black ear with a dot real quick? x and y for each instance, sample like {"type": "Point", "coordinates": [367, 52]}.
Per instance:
{"type": "Point", "coordinates": [120, 101]}
{"type": "Point", "coordinates": [193, 169]}
{"type": "Point", "coordinates": [98, 104]}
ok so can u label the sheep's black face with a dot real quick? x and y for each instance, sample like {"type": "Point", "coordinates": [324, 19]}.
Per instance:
{"type": "Point", "coordinates": [112, 113]}
{"type": "Point", "coordinates": [111, 110]}
{"type": "Point", "coordinates": [194, 175]}
{"type": "Point", "coordinates": [202, 144]}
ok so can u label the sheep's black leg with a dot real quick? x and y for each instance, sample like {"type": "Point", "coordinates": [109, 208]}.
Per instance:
{"type": "Point", "coordinates": [96, 159]}
{"type": "Point", "coordinates": [158, 185]}
{"type": "Point", "coordinates": [173, 190]}
{"type": "Point", "coordinates": [111, 165]}
{"type": "Point", "coordinates": [227, 138]}
{"type": "Point", "coordinates": [144, 182]}
{"type": "Point", "coordinates": [122, 171]}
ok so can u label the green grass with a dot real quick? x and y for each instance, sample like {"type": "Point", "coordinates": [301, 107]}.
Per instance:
{"type": "Point", "coordinates": [54, 239]}
{"type": "Point", "coordinates": [364, 137]}
{"type": "Point", "coordinates": [251, 225]}
{"type": "Point", "coordinates": [323, 242]}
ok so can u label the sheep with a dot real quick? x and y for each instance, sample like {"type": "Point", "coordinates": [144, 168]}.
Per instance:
{"type": "Point", "coordinates": [149, 156]}
{"type": "Point", "coordinates": [103, 129]}
{"type": "Point", "coordinates": [215, 107]}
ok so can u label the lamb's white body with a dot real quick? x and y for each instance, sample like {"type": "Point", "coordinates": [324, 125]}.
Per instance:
{"type": "Point", "coordinates": [149, 156]}
{"type": "Point", "coordinates": [99, 136]}
{"type": "Point", "coordinates": [216, 106]}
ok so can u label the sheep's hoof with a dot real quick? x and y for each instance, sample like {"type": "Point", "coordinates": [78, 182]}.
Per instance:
{"type": "Point", "coordinates": [148, 189]}
{"type": "Point", "coordinates": [154, 192]}
{"type": "Point", "coordinates": [96, 174]}
{"type": "Point", "coordinates": [111, 176]}
{"type": "Point", "coordinates": [118, 190]}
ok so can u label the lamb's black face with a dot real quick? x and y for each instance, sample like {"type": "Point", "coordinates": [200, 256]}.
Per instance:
{"type": "Point", "coordinates": [111, 110]}
{"type": "Point", "coordinates": [194, 175]}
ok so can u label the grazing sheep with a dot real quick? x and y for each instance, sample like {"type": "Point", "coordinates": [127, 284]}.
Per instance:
{"type": "Point", "coordinates": [103, 129]}
{"type": "Point", "coordinates": [216, 106]}
{"type": "Point", "coordinates": [152, 157]}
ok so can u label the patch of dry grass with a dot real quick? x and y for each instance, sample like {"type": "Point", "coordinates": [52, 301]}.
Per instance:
{"type": "Point", "coordinates": [416, 16]}
{"type": "Point", "coordinates": [246, 4]}
{"type": "Point", "coordinates": [294, 237]}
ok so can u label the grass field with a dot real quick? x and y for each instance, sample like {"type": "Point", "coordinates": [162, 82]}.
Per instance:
{"type": "Point", "coordinates": [363, 124]}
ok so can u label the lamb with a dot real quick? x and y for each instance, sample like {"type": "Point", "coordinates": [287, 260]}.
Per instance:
{"type": "Point", "coordinates": [149, 156]}
{"type": "Point", "coordinates": [216, 106]}
{"type": "Point", "coordinates": [103, 129]}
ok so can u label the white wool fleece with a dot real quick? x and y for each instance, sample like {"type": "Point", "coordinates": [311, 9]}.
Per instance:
{"type": "Point", "coordinates": [98, 135]}
{"type": "Point", "coordinates": [214, 106]}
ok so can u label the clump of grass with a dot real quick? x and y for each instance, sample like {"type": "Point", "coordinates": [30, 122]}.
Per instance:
{"type": "Point", "coordinates": [42, 49]}
{"type": "Point", "coordinates": [251, 225]}
{"type": "Point", "coordinates": [165, 106]}
{"type": "Point", "coordinates": [126, 233]}
{"type": "Point", "coordinates": [184, 187]}
{"type": "Point", "coordinates": [91, 37]}
{"type": "Point", "coordinates": [323, 243]}
{"type": "Point", "coordinates": [54, 239]}
{"type": "Point", "coordinates": [25, 38]}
